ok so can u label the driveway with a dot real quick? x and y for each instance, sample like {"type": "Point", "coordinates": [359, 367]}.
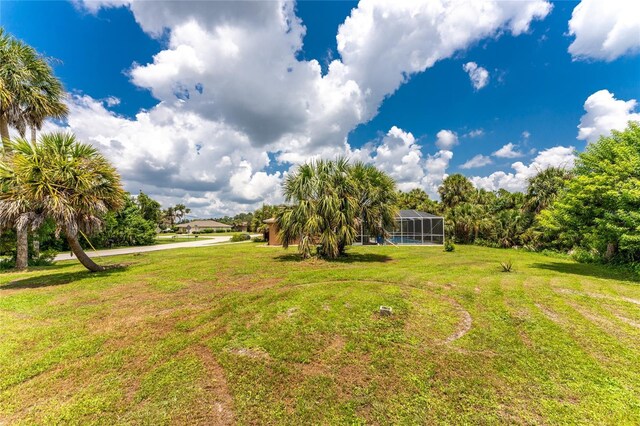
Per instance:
{"type": "Point", "coordinates": [143, 249]}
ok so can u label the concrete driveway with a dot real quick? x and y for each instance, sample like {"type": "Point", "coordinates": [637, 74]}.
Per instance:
{"type": "Point", "coordinates": [143, 249]}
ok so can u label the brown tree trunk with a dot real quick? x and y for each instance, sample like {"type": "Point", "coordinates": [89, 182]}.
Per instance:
{"type": "Point", "coordinates": [33, 135]}
{"type": "Point", "coordinates": [611, 251]}
{"type": "Point", "coordinates": [22, 248]}
{"type": "Point", "coordinates": [4, 129]}
{"type": "Point", "coordinates": [81, 255]}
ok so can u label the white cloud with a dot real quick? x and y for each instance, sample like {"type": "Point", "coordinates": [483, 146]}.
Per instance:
{"type": "Point", "coordinates": [605, 30]}
{"type": "Point", "coordinates": [526, 135]}
{"type": "Point", "coordinates": [508, 151]}
{"type": "Point", "coordinates": [558, 156]}
{"type": "Point", "coordinates": [477, 161]}
{"type": "Point", "coordinates": [233, 93]}
{"type": "Point", "coordinates": [479, 76]}
{"type": "Point", "coordinates": [605, 113]}
{"type": "Point", "coordinates": [474, 133]}
{"type": "Point", "coordinates": [446, 139]}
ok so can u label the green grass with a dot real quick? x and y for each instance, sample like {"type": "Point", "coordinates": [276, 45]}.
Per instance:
{"type": "Point", "coordinates": [251, 335]}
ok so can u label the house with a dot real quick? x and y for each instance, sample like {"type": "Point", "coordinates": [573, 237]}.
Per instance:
{"type": "Point", "coordinates": [202, 225]}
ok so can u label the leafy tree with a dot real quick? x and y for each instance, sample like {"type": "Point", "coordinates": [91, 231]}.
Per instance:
{"type": "Point", "coordinates": [259, 216]}
{"type": "Point", "coordinates": [149, 208]}
{"type": "Point", "coordinates": [126, 227]}
{"type": "Point", "coordinates": [455, 189]}
{"type": "Point", "coordinates": [180, 211]}
{"type": "Point", "coordinates": [62, 179]}
{"type": "Point", "coordinates": [600, 209]}
{"type": "Point", "coordinates": [416, 199]}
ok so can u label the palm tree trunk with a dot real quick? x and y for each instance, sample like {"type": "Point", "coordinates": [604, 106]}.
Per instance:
{"type": "Point", "coordinates": [22, 248]}
{"type": "Point", "coordinates": [4, 129]}
{"type": "Point", "coordinates": [33, 134]}
{"type": "Point", "coordinates": [76, 248]}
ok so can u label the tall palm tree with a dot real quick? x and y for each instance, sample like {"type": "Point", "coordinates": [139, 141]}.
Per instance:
{"type": "Point", "coordinates": [29, 94]}
{"type": "Point", "coordinates": [63, 179]}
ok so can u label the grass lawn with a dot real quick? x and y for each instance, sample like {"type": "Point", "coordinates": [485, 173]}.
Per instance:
{"type": "Point", "coordinates": [247, 334]}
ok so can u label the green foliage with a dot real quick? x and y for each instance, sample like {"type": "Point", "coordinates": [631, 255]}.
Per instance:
{"type": "Point", "coordinates": [417, 199]}
{"type": "Point", "coordinates": [126, 227]}
{"type": "Point", "coordinates": [455, 189]}
{"type": "Point", "coordinates": [331, 200]}
{"type": "Point", "coordinates": [600, 210]}
{"type": "Point", "coordinates": [149, 208]}
{"type": "Point", "coordinates": [240, 237]}
{"type": "Point", "coordinates": [449, 246]}
{"type": "Point", "coordinates": [260, 239]}
{"type": "Point", "coordinates": [259, 216]}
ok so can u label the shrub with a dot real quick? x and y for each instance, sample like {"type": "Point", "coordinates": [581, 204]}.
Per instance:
{"type": "Point", "coordinates": [506, 266]}
{"type": "Point", "coordinates": [260, 239]}
{"type": "Point", "coordinates": [240, 237]}
{"type": "Point", "coordinates": [449, 246]}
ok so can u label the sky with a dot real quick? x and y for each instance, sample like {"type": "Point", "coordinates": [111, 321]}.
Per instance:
{"type": "Point", "coordinates": [212, 103]}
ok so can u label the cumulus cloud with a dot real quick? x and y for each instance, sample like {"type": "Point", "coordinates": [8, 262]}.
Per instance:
{"type": "Point", "coordinates": [605, 113]}
{"type": "Point", "coordinates": [508, 151]}
{"type": "Point", "coordinates": [558, 156]}
{"type": "Point", "coordinates": [233, 94]}
{"type": "Point", "coordinates": [400, 155]}
{"type": "Point", "coordinates": [477, 161]}
{"type": "Point", "coordinates": [446, 139]}
{"type": "Point", "coordinates": [605, 30]}
{"type": "Point", "coordinates": [479, 76]}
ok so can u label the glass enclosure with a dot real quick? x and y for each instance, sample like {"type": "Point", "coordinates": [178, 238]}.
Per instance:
{"type": "Point", "coordinates": [411, 227]}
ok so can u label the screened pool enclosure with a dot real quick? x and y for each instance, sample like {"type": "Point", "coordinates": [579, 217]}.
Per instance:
{"type": "Point", "coordinates": [411, 227]}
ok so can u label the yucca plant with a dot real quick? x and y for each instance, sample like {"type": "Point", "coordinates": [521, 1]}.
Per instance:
{"type": "Point", "coordinates": [60, 178]}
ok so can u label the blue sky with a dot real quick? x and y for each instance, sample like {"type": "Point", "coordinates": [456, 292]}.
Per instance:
{"type": "Point", "coordinates": [234, 141]}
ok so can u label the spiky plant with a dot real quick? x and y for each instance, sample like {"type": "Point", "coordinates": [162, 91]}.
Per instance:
{"type": "Point", "coordinates": [63, 179]}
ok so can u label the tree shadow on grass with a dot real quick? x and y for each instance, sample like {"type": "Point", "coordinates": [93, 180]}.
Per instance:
{"type": "Point", "coordinates": [349, 258]}
{"type": "Point", "coordinates": [59, 278]}
{"type": "Point", "coordinates": [590, 270]}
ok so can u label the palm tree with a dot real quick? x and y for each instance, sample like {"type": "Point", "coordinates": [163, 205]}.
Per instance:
{"type": "Point", "coordinates": [455, 189]}
{"type": "Point", "coordinates": [325, 208]}
{"type": "Point", "coordinates": [545, 187]}
{"type": "Point", "coordinates": [29, 94]}
{"type": "Point", "coordinates": [376, 198]}
{"type": "Point", "coordinates": [63, 179]}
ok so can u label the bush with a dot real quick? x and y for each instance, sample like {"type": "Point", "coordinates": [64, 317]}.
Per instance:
{"type": "Point", "coordinates": [506, 266]}
{"type": "Point", "coordinates": [240, 237]}
{"type": "Point", "coordinates": [259, 239]}
{"type": "Point", "coordinates": [45, 258]}
{"type": "Point", "coordinates": [449, 246]}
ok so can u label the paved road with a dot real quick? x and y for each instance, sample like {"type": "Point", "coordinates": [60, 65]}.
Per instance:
{"type": "Point", "coordinates": [130, 250]}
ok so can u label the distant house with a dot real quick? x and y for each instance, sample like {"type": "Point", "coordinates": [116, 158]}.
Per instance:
{"type": "Point", "coordinates": [202, 225]}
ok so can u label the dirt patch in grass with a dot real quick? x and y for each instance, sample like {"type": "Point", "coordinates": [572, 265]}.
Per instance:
{"type": "Point", "coordinates": [463, 326]}
{"type": "Point", "coordinates": [215, 407]}
{"type": "Point", "coordinates": [598, 296]}
{"type": "Point", "coordinates": [548, 313]}
{"type": "Point", "coordinates": [629, 321]}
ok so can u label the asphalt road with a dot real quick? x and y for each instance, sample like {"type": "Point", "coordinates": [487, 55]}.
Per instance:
{"type": "Point", "coordinates": [143, 249]}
